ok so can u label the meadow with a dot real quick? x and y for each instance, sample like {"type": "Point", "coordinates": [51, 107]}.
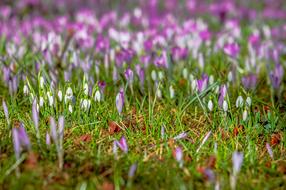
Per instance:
{"type": "Point", "coordinates": [174, 94]}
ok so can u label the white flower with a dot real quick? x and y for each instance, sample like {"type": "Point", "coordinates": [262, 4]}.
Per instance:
{"type": "Point", "coordinates": [239, 102]}
{"type": "Point", "coordinates": [154, 75]}
{"type": "Point", "coordinates": [26, 89]}
{"type": "Point", "coordinates": [210, 105]}
{"type": "Point", "coordinates": [248, 101]}
{"type": "Point", "coordinates": [194, 85]}
{"type": "Point", "coordinates": [85, 89]}
{"type": "Point", "coordinates": [70, 108]}
{"type": "Point", "coordinates": [159, 93]}
{"type": "Point", "coordinates": [42, 82]}
{"type": "Point", "coordinates": [185, 73]}
{"type": "Point", "coordinates": [85, 104]}
{"type": "Point", "coordinates": [244, 115]}
{"type": "Point", "coordinates": [172, 92]}
{"type": "Point", "coordinates": [211, 80]}
{"type": "Point", "coordinates": [230, 76]}
{"type": "Point", "coordinates": [50, 98]}
{"type": "Point", "coordinates": [97, 96]}
{"type": "Point", "coordinates": [41, 101]}
{"type": "Point", "coordinates": [60, 95]}
{"type": "Point", "coordinates": [161, 75]}
{"type": "Point", "coordinates": [69, 94]}
{"type": "Point", "coordinates": [225, 106]}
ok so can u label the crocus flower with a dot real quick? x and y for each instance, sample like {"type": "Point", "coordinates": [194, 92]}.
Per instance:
{"type": "Point", "coordinates": [222, 95]}
{"type": "Point", "coordinates": [276, 76]}
{"type": "Point", "coordinates": [178, 154]}
{"type": "Point", "coordinates": [132, 170]}
{"type": "Point", "coordinates": [239, 102]}
{"type": "Point", "coordinates": [249, 81]}
{"type": "Point", "coordinates": [237, 158]}
{"type": "Point", "coordinates": [202, 83]}
{"type": "Point", "coordinates": [122, 144]}
{"type": "Point", "coordinates": [21, 140]}
{"type": "Point", "coordinates": [182, 135]}
{"type": "Point", "coordinates": [120, 101]}
{"type": "Point", "coordinates": [129, 75]}
{"type": "Point", "coordinates": [269, 150]}
{"type": "Point", "coordinates": [231, 49]}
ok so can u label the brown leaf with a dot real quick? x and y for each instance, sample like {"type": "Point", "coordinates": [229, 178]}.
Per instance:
{"type": "Point", "coordinates": [182, 82]}
{"type": "Point", "coordinates": [107, 186]}
{"type": "Point", "coordinates": [84, 138]}
{"type": "Point", "coordinates": [281, 168]}
{"type": "Point", "coordinates": [211, 162]}
{"type": "Point", "coordinates": [275, 139]}
{"type": "Point", "coordinates": [238, 129]}
{"type": "Point", "coordinates": [31, 161]}
{"type": "Point", "coordinates": [113, 127]}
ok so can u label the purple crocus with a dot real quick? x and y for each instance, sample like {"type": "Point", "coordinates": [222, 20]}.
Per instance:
{"type": "Point", "coordinates": [141, 74]}
{"type": "Point", "coordinates": [249, 81]}
{"type": "Point", "coordinates": [6, 112]}
{"type": "Point", "coordinates": [202, 83]}
{"type": "Point", "coordinates": [276, 76]}
{"type": "Point", "coordinates": [129, 75]}
{"type": "Point", "coordinates": [231, 49]}
{"type": "Point", "coordinates": [222, 94]}
{"type": "Point", "coordinates": [237, 159]}
{"type": "Point", "coordinates": [122, 144]}
{"type": "Point", "coordinates": [21, 140]}
{"type": "Point", "coordinates": [269, 150]}
{"type": "Point", "coordinates": [132, 170]}
{"type": "Point", "coordinates": [120, 101]}
{"type": "Point", "coordinates": [182, 135]}
{"type": "Point", "coordinates": [178, 155]}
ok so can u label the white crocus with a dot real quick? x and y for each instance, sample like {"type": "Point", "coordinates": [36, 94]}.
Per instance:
{"type": "Point", "coordinates": [70, 108]}
{"type": "Point", "coordinates": [210, 105]}
{"type": "Point", "coordinates": [248, 101]}
{"type": "Point", "coordinates": [41, 101]}
{"type": "Point", "coordinates": [97, 96]}
{"type": "Point", "coordinates": [69, 94]}
{"type": "Point", "coordinates": [60, 95]}
{"type": "Point", "coordinates": [85, 89]}
{"type": "Point", "coordinates": [225, 106]}
{"type": "Point", "coordinates": [154, 75]}
{"type": "Point", "coordinates": [244, 115]}
{"type": "Point", "coordinates": [26, 89]}
{"type": "Point", "coordinates": [172, 92]}
{"type": "Point", "coordinates": [239, 102]}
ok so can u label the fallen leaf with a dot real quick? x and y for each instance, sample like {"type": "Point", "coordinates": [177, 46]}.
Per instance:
{"type": "Point", "coordinates": [31, 161]}
{"type": "Point", "coordinates": [113, 127]}
{"type": "Point", "coordinates": [281, 168]}
{"type": "Point", "coordinates": [211, 162]}
{"type": "Point", "coordinates": [107, 186]}
{"type": "Point", "coordinates": [275, 139]}
{"type": "Point", "coordinates": [84, 138]}
{"type": "Point", "coordinates": [238, 129]}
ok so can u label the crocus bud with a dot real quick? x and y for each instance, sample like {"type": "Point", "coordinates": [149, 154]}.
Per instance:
{"type": "Point", "coordinates": [119, 100]}
{"type": "Point", "coordinates": [210, 105]}
{"type": "Point", "coordinates": [225, 106]}
{"type": "Point", "coordinates": [70, 108]}
{"type": "Point", "coordinates": [26, 90]}
{"type": "Point", "coordinates": [248, 101]}
{"type": "Point", "coordinates": [122, 144]}
{"type": "Point", "coordinates": [172, 92]}
{"type": "Point", "coordinates": [237, 159]}
{"type": "Point", "coordinates": [239, 102]}
{"type": "Point", "coordinates": [178, 154]}
{"type": "Point", "coordinates": [97, 96]}
{"type": "Point", "coordinates": [60, 95]}
{"type": "Point", "coordinates": [244, 115]}
{"type": "Point", "coordinates": [48, 139]}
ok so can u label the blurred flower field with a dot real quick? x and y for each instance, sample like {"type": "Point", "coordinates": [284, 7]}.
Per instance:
{"type": "Point", "coordinates": [146, 94]}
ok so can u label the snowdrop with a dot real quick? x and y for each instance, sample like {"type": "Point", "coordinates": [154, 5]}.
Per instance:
{"type": "Point", "coordinates": [42, 82]}
{"type": "Point", "coordinates": [41, 101]}
{"type": "Point", "coordinates": [69, 94]}
{"type": "Point", "coordinates": [50, 98]}
{"type": "Point", "coordinates": [85, 104]}
{"type": "Point", "coordinates": [70, 108]}
{"type": "Point", "coordinates": [85, 89]}
{"type": "Point", "coordinates": [154, 75]}
{"type": "Point", "coordinates": [185, 73]}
